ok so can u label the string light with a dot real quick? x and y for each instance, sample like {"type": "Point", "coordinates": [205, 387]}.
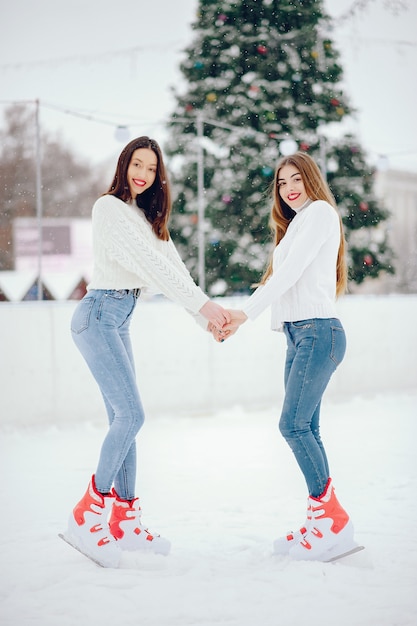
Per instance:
{"type": "Point", "coordinates": [101, 57]}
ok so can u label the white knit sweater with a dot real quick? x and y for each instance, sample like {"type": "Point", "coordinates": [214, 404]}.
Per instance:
{"type": "Point", "coordinates": [128, 255]}
{"type": "Point", "coordinates": [303, 281]}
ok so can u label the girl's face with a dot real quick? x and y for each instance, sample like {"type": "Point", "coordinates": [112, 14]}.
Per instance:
{"type": "Point", "coordinates": [141, 172]}
{"type": "Point", "coordinates": [291, 187]}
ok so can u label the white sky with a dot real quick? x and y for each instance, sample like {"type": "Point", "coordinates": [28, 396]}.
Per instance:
{"type": "Point", "coordinates": [79, 56]}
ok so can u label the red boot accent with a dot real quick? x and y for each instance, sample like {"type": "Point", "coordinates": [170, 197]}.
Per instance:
{"type": "Point", "coordinates": [329, 506]}
{"type": "Point", "coordinates": [92, 498]}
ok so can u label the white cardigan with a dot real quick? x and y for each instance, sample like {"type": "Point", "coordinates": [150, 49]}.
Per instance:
{"type": "Point", "coordinates": [128, 255]}
{"type": "Point", "coordinates": [303, 281]}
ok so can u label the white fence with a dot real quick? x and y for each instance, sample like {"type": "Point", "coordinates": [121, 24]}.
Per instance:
{"type": "Point", "coordinates": [180, 369]}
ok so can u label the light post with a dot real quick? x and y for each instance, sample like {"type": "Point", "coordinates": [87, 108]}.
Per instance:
{"type": "Point", "coordinates": [39, 210]}
{"type": "Point", "coordinates": [323, 156]}
{"type": "Point", "coordinates": [200, 204]}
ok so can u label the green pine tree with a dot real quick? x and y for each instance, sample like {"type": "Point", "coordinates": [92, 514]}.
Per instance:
{"type": "Point", "coordinates": [259, 72]}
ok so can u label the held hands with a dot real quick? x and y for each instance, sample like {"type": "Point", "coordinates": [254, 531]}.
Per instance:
{"type": "Point", "coordinates": [237, 318]}
{"type": "Point", "coordinates": [217, 316]}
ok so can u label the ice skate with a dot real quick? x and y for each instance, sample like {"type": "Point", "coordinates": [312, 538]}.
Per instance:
{"type": "Point", "coordinates": [282, 545]}
{"type": "Point", "coordinates": [88, 530]}
{"type": "Point", "coordinates": [329, 532]}
{"type": "Point", "coordinates": [126, 526]}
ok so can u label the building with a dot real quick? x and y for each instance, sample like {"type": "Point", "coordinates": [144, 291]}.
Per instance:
{"type": "Point", "coordinates": [397, 193]}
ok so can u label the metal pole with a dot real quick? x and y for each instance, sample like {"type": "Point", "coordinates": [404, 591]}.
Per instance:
{"type": "Point", "coordinates": [39, 200]}
{"type": "Point", "coordinates": [200, 205]}
{"type": "Point", "coordinates": [323, 156]}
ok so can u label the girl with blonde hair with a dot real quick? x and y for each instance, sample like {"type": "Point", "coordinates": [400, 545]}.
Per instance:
{"type": "Point", "coordinates": [306, 274]}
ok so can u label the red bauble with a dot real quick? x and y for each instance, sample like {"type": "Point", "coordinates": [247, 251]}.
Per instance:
{"type": "Point", "coordinates": [335, 102]}
{"type": "Point", "coordinates": [368, 260]}
{"type": "Point", "coordinates": [262, 49]}
{"type": "Point", "coordinates": [363, 206]}
{"type": "Point", "coordinates": [304, 146]}
{"type": "Point", "coordinates": [189, 107]}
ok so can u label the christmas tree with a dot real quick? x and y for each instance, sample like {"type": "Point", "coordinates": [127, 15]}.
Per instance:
{"type": "Point", "coordinates": [259, 76]}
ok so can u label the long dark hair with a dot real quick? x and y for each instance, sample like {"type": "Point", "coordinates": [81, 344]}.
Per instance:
{"type": "Point", "coordinates": [316, 189]}
{"type": "Point", "coordinates": [155, 202]}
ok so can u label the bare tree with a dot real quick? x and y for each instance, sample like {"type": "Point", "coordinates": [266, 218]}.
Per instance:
{"type": "Point", "coordinates": [69, 184]}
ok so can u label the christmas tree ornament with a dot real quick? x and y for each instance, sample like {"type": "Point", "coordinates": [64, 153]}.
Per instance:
{"type": "Point", "coordinates": [340, 111]}
{"type": "Point", "coordinates": [271, 116]}
{"type": "Point", "coordinates": [363, 206]}
{"type": "Point", "coordinates": [221, 19]}
{"type": "Point", "coordinates": [226, 198]}
{"type": "Point", "coordinates": [368, 260]}
{"type": "Point", "coordinates": [296, 78]}
{"type": "Point", "coordinates": [198, 65]}
{"type": "Point", "coordinates": [305, 147]}
{"type": "Point", "coordinates": [262, 49]}
{"type": "Point", "coordinates": [315, 54]}
{"type": "Point", "coordinates": [267, 171]}
{"type": "Point", "coordinates": [335, 102]}
{"type": "Point", "coordinates": [211, 97]}
{"type": "Point", "coordinates": [332, 165]}
{"type": "Point", "coordinates": [288, 146]}
{"type": "Point", "coordinates": [189, 107]}
{"type": "Point", "coordinates": [253, 91]}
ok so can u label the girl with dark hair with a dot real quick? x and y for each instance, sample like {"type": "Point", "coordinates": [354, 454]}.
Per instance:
{"type": "Point", "coordinates": [133, 254]}
{"type": "Point", "coordinates": [305, 275]}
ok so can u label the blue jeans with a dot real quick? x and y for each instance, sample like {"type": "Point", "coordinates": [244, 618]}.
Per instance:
{"type": "Point", "coordinates": [100, 329]}
{"type": "Point", "coordinates": [315, 347]}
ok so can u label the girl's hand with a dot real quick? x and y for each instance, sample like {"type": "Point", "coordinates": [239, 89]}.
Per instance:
{"type": "Point", "coordinates": [237, 318]}
{"type": "Point", "coordinates": [218, 335]}
{"type": "Point", "coordinates": [215, 314]}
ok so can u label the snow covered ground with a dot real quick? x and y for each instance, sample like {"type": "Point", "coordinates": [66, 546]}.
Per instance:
{"type": "Point", "coordinates": [221, 486]}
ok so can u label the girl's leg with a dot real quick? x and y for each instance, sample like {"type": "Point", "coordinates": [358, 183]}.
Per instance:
{"type": "Point", "coordinates": [315, 347]}
{"type": "Point", "coordinates": [315, 429]}
{"type": "Point", "coordinates": [315, 420]}
{"type": "Point", "coordinates": [100, 330]}
{"type": "Point", "coordinates": [125, 480]}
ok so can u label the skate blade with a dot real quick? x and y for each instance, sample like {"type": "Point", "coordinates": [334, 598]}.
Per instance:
{"type": "Point", "coordinates": [64, 538]}
{"type": "Point", "coordinates": [342, 555]}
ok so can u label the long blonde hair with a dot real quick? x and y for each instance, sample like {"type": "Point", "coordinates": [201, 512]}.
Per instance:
{"type": "Point", "coordinates": [281, 214]}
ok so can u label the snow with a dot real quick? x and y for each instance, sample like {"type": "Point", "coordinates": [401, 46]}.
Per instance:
{"type": "Point", "coordinates": [221, 487]}
{"type": "Point", "coordinates": [221, 484]}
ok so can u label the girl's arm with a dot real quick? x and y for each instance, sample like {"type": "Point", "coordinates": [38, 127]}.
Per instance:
{"type": "Point", "coordinates": [319, 222]}
{"type": "Point", "coordinates": [132, 246]}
